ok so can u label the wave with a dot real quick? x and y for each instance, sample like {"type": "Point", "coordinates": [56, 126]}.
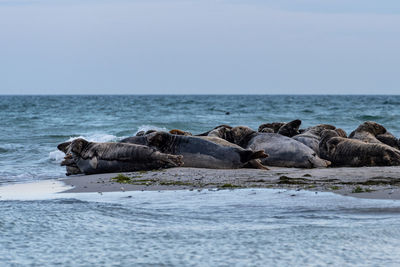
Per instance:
{"type": "Point", "coordinates": [150, 127]}
{"type": "Point", "coordinates": [97, 137]}
{"type": "Point", "coordinates": [4, 148]}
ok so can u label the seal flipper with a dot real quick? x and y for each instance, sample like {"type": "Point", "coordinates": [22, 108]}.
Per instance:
{"type": "Point", "coordinates": [173, 160]}
{"type": "Point", "coordinates": [247, 155]}
{"type": "Point", "coordinates": [256, 163]}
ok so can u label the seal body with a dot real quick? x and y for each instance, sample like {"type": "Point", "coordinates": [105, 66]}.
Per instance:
{"type": "Point", "coordinates": [389, 139]}
{"type": "Point", "coordinates": [283, 151]}
{"type": "Point", "coordinates": [356, 153]}
{"type": "Point", "coordinates": [138, 140]}
{"type": "Point", "coordinates": [311, 136]}
{"type": "Point", "coordinates": [255, 163]}
{"type": "Point", "coordinates": [290, 129]}
{"type": "Point", "coordinates": [91, 157]}
{"type": "Point", "coordinates": [219, 131]}
{"type": "Point", "coordinates": [270, 127]}
{"type": "Point", "coordinates": [367, 132]}
{"type": "Point", "coordinates": [200, 153]}
{"type": "Point", "coordinates": [372, 132]}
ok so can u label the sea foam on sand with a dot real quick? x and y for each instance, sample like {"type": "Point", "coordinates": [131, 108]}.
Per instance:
{"type": "Point", "coordinates": [32, 191]}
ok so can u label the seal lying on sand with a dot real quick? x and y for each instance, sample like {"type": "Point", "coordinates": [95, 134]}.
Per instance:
{"type": "Point", "coordinates": [372, 132]}
{"type": "Point", "coordinates": [282, 150]}
{"type": "Point", "coordinates": [255, 163]}
{"type": "Point", "coordinates": [138, 140]}
{"type": "Point", "coordinates": [356, 153]}
{"type": "Point", "coordinates": [311, 136]}
{"type": "Point", "coordinates": [68, 162]}
{"type": "Point", "coordinates": [93, 158]}
{"type": "Point", "coordinates": [143, 140]}
{"type": "Point", "coordinates": [201, 153]}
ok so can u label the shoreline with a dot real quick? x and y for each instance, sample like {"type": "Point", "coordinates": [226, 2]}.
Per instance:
{"type": "Point", "coordinates": [364, 182]}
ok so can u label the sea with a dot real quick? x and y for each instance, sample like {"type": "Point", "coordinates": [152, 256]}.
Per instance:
{"type": "Point", "coordinates": [246, 227]}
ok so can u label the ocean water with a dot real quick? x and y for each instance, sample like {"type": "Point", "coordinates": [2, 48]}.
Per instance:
{"type": "Point", "coordinates": [32, 126]}
{"type": "Point", "coordinates": [248, 227]}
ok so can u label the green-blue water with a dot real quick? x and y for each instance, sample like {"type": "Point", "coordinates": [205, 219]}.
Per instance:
{"type": "Point", "coordinates": [240, 227]}
{"type": "Point", "coordinates": [32, 126]}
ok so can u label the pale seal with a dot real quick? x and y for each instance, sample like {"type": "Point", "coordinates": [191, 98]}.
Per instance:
{"type": "Point", "coordinates": [282, 150]}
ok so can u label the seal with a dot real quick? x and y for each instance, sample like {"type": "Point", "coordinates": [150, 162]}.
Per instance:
{"type": "Point", "coordinates": [254, 163]}
{"type": "Point", "coordinates": [341, 132]}
{"type": "Point", "coordinates": [372, 132]}
{"type": "Point", "coordinates": [389, 139]}
{"type": "Point", "coordinates": [201, 153]}
{"type": "Point", "coordinates": [367, 132]}
{"type": "Point", "coordinates": [290, 129]}
{"type": "Point", "coordinates": [283, 151]}
{"type": "Point", "coordinates": [141, 133]}
{"type": "Point", "coordinates": [92, 158]}
{"type": "Point", "coordinates": [70, 165]}
{"type": "Point", "coordinates": [138, 140]}
{"type": "Point", "coordinates": [180, 132]}
{"type": "Point", "coordinates": [267, 127]}
{"type": "Point", "coordinates": [345, 152]}
{"type": "Point", "coordinates": [312, 135]}
{"type": "Point", "coordinates": [216, 131]}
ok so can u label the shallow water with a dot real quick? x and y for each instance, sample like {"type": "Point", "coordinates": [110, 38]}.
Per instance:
{"type": "Point", "coordinates": [32, 126]}
{"type": "Point", "coordinates": [208, 228]}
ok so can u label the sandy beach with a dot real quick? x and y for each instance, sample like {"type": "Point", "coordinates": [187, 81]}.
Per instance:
{"type": "Point", "coordinates": [366, 182]}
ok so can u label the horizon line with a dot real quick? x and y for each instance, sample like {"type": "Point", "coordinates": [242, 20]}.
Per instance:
{"type": "Point", "coordinates": [304, 94]}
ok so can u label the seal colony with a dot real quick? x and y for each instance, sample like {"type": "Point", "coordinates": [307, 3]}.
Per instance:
{"type": "Point", "coordinates": [224, 147]}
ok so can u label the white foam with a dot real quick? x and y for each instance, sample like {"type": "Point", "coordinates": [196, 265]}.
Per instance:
{"type": "Point", "coordinates": [39, 190]}
{"type": "Point", "coordinates": [150, 127]}
{"type": "Point", "coordinates": [96, 137]}
{"type": "Point", "coordinates": [56, 156]}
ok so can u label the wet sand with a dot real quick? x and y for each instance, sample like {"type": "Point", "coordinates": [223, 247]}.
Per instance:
{"type": "Point", "coordinates": [366, 182]}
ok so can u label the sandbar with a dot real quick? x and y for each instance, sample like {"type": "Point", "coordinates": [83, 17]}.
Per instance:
{"type": "Point", "coordinates": [364, 182]}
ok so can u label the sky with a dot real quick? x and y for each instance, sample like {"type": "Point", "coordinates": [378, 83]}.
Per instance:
{"type": "Point", "coordinates": [199, 47]}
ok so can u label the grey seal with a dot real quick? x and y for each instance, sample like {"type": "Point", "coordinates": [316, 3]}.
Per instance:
{"type": "Point", "coordinates": [356, 153]}
{"type": "Point", "coordinates": [282, 150]}
{"type": "Point", "coordinates": [290, 129]}
{"type": "Point", "coordinates": [270, 127]}
{"type": "Point", "coordinates": [372, 132]}
{"type": "Point", "coordinates": [312, 135]}
{"type": "Point", "coordinates": [91, 157]}
{"type": "Point", "coordinates": [255, 163]}
{"type": "Point", "coordinates": [201, 153]}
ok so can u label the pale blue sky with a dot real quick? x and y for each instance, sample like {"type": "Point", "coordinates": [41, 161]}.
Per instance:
{"type": "Point", "coordinates": [191, 47]}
